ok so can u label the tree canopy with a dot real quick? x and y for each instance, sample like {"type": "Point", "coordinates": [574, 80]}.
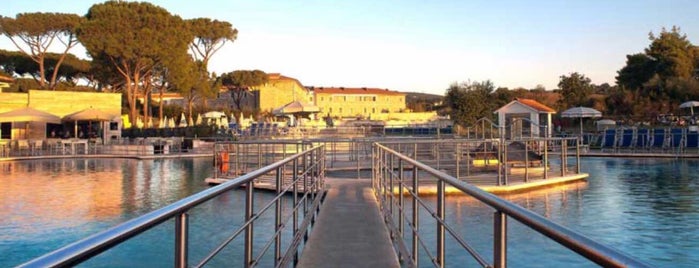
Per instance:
{"type": "Point", "coordinates": [209, 37]}
{"type": "Point", "coordinates": [239, 83]}
{"type": "Point", "coordinates": [575, 90]}
{"type": "Point", "coordinates": [34, 33]}
{"type": "Point", "coordinates": [661, 77]}
{"type": "Point", "coordinates": [131, 39]}
{"type": "Point", "coordinates": [469, 101]}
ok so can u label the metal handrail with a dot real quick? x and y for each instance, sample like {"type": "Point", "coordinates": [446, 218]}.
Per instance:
{"type": "Point", "coordinates": [91, 246]}
{"type": "Point", "coordinates": [385, 189]}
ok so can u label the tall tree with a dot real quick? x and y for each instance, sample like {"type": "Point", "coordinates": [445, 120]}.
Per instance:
{"type": "Point", "coordinates": [240, 82]}
{"type": "Point", "coordinates": [132, 38]}
{"type": "Point", "coordinates": [21, 64]}
{"type": "Point", "coordinates": [673, 53]}
{"type": "Point", "coordinates": [470, 101]}
{"type": "Point", "coordinates": [575, 90]}
{"type": "Point", "coordinates": [34, 33]}
{"type": "Point", "coordinates": [638, 70]}
{"type": "Point", "coordinates": [209, 37]}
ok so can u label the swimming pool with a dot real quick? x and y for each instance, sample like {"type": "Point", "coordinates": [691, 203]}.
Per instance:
{"type": "Point", "coordinates": [648, 208]}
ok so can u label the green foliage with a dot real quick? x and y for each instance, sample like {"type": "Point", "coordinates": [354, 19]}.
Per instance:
{"type": "Point", "coordinates": [239, 83]}
{"type": "Point", "coordinates": [660, 78]}
{"type": "Point", "coordinates": [638, 70]}
{"type": "Point", "coordinates": [575, 90]}
{"type": "Point", "coordinates": [470, 101]}
{"type": "Point", "coordinates": [34, 33]}
{"type": "Point", "coordinates": [21, 64]}
{"type": "Point", "coordinates": [209, 37]}
{"type": "Point", "coordinates": [131, 39]}
{"type": "Point", "coordinates": [673, 53]}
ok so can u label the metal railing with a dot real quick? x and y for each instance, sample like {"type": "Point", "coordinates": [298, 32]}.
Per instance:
{"type": "Point", "coordinates": [391, 185]}
{"type": "Point", "coordinates": [495, 161]}
{"type": "Point", "coordinates": [306, 186]}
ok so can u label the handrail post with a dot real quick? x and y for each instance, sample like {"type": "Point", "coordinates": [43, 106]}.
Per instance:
{"type": "Point", "coordinates": [577, 156]}
{"type": "Point", "coordinates": [294, 180]}
{"type": "Point", "coordinates": [278, 219]}
{"type": "Point", "coordinates": [500, 243]}
{"type": "Point", "coordinates": [390, 185]}
{"type": "Point", "coordinates": [564, 157]}
{"type": "Point", "coordinates": [526, 161]}
{"type": "Point", "coordinates": [504, 157]}
{"type": "Point", "coordinates": [440, 226]}
{"type": "Point", "coordinates": [546, 159]}
{"type": "Point", "coordinates": [416, 217]}
{"type": "Point", "coordinates": [401, 200]}
{"type": "Point", "coordinates": [181, 240]}
{"type": "Point", "coordinates": [458, 157]}
{"type": "Point", "coordinates": [247, 260]}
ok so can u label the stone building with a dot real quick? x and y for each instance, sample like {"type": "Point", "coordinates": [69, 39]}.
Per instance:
{"type": "Point", "coordinates": [357, 102]}
{"type": "Point", "coordinates": [58, 103]}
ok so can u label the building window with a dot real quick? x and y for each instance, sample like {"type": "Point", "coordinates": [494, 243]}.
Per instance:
{"type": "Point", "coordinates": [340, 109]}
{"type": "Point", "coordinates": [374, 98]}
{"type": "Point", "coordinates": [330, 110]}
{"type": "Point", "coordinates": [321, 98]}
{"type": "Point", "coordinates": [345, 98]}
{"type": "Point", "coordinates": [373, 110]}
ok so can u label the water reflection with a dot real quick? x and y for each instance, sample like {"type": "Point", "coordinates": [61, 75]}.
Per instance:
{"type": "Point", "coordinates": [49, 203]}
{"type": "Point", "coordinates": [647, 208]}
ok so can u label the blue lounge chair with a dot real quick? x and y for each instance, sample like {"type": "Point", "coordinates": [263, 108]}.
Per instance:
{"type": "Point", "coordinates": [642, 139]}
{"type": "Point", "coordinates": [676, 138]}
{"type": "Point", "coordinates": [626, 140]}
{"type": "Point", "coordinates": [609, 139]}
{"type": "Point", "coordinates": [658, 139]}
{"type": "Point", "coordinates": [692, 141]}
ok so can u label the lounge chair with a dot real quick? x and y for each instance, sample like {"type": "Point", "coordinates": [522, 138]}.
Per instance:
{"type": "Point", "coordinates": [626, 140]}
{"type": "Point", "coordinates": [609, 139]}
{"type": "Point", "coordinates": [642, 139]}
{"type": "Point", "coordinates": [677, 139]}
{"type": "Point", "coordinates": [692, 141]}
{"type": "Point", "coordinates": [658, 139]}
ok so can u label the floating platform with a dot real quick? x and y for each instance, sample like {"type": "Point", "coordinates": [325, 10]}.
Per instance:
{"type": "Point", "coordinates": [265, 183]}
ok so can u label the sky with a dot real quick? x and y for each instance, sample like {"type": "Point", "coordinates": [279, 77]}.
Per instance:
{"type": "Point", "coordinates": [423, 46]}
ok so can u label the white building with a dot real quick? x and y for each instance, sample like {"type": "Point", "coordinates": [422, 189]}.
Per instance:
{"type": "Point", "coordinates": [525, 118]}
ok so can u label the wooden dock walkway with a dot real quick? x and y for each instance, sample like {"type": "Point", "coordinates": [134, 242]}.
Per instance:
{"type": "Point", "coordinates": [350, 231]}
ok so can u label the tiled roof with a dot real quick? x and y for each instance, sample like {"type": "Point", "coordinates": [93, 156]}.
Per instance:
{"type": "Point", "coordinates": [347, 90]}
{"type": "Point", "coordinates": [278, 76]}
{"type": "Point", "coordinates": [536, 105]}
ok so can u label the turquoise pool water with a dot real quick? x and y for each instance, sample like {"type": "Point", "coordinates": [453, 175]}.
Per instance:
{"type": "Point", "coordinates": [648, 208]}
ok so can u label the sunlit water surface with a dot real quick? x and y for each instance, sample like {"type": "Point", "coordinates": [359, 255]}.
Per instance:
{"type": "Point", "coordinates": [648, 208]}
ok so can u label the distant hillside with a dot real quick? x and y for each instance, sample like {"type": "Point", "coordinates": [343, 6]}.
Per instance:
{"type": "Point", "coordinates": [422, 102]}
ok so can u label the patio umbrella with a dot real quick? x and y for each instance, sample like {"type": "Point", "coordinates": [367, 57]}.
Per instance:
{"type": "Point", "coordinates": [690, 105]}
{"type": "Point", "coordinates": [28, 114]}
{"type": "Point", "coordinates": [581, 112]}
{"type": "Point", "coordinates": [183, 121]}
{"type": "Point", "coordinates": [295, 108]}
{"type": "Point", "coordinates": [199, 121]}
{"type": "Point", "coordinates": [213, 114]}
{"type": "Point", "coordinates": [89, 114]}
